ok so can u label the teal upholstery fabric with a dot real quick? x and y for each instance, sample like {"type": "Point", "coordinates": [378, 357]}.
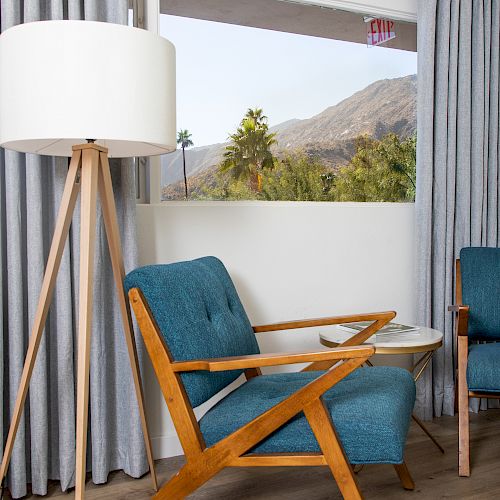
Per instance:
{"type": "Point", "coordinates": [371, 410]}
{"type": "Point", "coordinates": [483, 367]}
{"type": "Point", "coordinates": [199, 314]}
{"type": "Point", "coordinates": [480, 268]}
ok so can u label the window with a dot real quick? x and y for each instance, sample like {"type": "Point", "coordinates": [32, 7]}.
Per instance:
{"type": "Point", "coordinates": [268, 115]}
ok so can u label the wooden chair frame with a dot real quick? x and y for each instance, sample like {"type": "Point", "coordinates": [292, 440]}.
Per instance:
{"type": "Point", "coordinates": [461, 312]}
{"type": "Point", "coordinates": [202, 463]}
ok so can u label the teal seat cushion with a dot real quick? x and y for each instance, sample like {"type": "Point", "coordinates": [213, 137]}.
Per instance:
{"type": "Point", "coordinates": [480, 269]}
{"type": "Point", "coordinates": [371, 410]}
{"type": "Point", "coordinates": [199, 314]}
{"type": "Point", "coordinates": [483, 367]}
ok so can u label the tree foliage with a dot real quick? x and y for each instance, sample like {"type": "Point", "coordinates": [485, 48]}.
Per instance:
{"type": "Point", "coordinates": [297, 177]}
{"type": "Point", "coordinates": [226, 187]}
{"type": "Point", "coordinates": [382, 170]}
{"type": "Point", "coordinates": [185, 141]}
{"type": "Point", "coordinates": [249, 152]}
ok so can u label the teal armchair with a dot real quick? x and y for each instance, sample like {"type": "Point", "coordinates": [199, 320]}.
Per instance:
{"type": "Point", "coordinates": [333, 414]}
{"type": "Point", "coordinates": [477, 325]}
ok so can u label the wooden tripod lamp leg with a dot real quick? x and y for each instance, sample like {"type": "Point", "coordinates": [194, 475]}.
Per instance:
{"type": "Point", "coordinates": [115, 251]}
{"type": "Point", "coordinates": [63, 223]}
{"type": "Point", "coordinates": [90, 166]}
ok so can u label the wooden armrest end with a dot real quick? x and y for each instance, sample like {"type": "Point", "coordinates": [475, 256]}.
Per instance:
{"type": "Point", "coordinates": [462, 312]}
{"type": "Point", "coordinates": [458, 308]}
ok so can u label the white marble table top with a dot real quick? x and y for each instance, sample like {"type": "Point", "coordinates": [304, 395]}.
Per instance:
{"type": "Point", "coordinates": [423, 339]}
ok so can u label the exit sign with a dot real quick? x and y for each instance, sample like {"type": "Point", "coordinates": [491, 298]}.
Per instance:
{"type": "Point", "coordinates": [379, 31]}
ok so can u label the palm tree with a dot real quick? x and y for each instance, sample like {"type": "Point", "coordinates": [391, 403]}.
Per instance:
{"type": "Point", "coordinates": [250, 149]}
{"type": "Point", "coordinates": [184, 139]}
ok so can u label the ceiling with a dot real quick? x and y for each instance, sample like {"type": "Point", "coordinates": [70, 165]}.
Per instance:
{"type": "Point", "coordinates": [289, 17]}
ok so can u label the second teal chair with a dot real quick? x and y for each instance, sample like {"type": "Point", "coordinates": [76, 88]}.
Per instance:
{"type": "Point", "coordinates": [477, 323]}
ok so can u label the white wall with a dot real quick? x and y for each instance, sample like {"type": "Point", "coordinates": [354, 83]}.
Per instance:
{"type": "Point", "coordinates": [288, 261]}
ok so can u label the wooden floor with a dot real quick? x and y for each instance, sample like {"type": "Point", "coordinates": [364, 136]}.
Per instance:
{"type": "Point", "coordinates": [435, 474]}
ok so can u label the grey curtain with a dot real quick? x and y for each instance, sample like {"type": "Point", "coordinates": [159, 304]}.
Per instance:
{"type": "Point", "coordinates": [457, 201]}
{"type": "Point", "coordinates": [30, 192]}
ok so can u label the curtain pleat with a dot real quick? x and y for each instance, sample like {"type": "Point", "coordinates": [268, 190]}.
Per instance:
{"type": "Point", "coordinates": [31, 187]}
{"type": "Point", "coordinates": [457, 165]}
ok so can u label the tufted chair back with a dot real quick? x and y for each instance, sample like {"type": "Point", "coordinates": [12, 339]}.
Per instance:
{"type": "Point", "coordinates": [199, 314]}
{"type": "Point", "coordinates": [480, 270]}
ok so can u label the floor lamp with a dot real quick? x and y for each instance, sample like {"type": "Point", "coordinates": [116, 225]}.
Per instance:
{"type": "Point", "coordinates": [87, 90]}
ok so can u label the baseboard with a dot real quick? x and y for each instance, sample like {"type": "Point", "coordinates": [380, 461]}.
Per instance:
{"type": "Point", "coordinates": [166, 446]}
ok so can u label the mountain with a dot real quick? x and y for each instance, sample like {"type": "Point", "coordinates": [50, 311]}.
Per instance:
{"type": "Point", "coordinates": [384, 106]}
{"type": "Point", "coordinates": [283, 125]}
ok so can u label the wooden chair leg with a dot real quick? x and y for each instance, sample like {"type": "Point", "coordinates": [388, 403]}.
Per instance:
{"type": "Point", "coordinates": [187, 480]}
{"type": "Point", "coordinates": [463, 409]}
{"type": "Point", "coordinates": [321, 423]}
{"type": "Point", "coordinates": [404, 476]}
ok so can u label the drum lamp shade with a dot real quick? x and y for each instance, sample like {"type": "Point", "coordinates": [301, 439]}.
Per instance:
{"type": "Point", "coordinates": [64, 82]}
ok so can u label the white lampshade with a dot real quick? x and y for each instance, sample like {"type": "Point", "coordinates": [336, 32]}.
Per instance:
{"type": "Point", "coordinates": [63, 82]}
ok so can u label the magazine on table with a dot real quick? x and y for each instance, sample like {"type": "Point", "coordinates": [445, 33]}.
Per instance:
{"type": "Point", "coordinates": [388, 329]}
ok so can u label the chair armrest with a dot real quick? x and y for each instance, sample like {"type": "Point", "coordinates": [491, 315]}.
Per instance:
{"type": "Point", "coordinates": [275, 359]}
{"type": "Point", "coordinates": [331, 320]}
{"type": "Point", "coordinates": [462, 313]}
{"type": "Point", "coordinates": [379, 320]}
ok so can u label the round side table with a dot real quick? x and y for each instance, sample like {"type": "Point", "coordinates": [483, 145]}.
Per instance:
{"type": "Point", "coordinates": [424, 340]}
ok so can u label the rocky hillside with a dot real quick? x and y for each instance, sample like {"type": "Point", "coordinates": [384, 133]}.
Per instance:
{"type": "Point", "coordinates": [382, 107]}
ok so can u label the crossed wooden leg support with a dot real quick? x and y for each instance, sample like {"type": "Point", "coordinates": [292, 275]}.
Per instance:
{"type": "Point", "coordinates": [89, 173]}
{"type": "Point", "coordinates": [228, 452]}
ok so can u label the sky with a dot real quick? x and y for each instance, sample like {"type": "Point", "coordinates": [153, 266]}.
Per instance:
{"type": "Point", "coordinates": [223, 69]}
